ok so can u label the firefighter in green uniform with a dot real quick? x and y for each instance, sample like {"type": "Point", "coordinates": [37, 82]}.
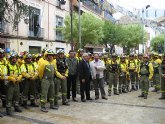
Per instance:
{"type": "Point", "coordinates": [123, 72]}
{"type": "Point", "coordinates": [132, 67]}
{"type": "Point", "coordinates": [13, 78]}
{"type": "Point", "coordinates": [79, 58]}
{"type": "Point", "coordinates": [145, 74]}
{"type": "Point", "coordinates": [106, 75]}
{"type": "Point", "coordinates": [30, 74]}
{"type": "Point", "coordinates": [61, 76]}
{"type": "Point", "coordinates": [113, 70]}
{"type": "Point", "coordinates": [156, 77]}
{"type": "Point", "coordinates": [1, 75]}
{"type": "Point", "coordinates": [46, 74]}
{"type": "Point", "coordinates": [163, 78]}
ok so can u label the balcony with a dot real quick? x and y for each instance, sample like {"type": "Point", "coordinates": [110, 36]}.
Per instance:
{"type": "Point", "coordinates": [109, 16]}
{"type": "Point", "coordinates": [37, 33]}
{"type": "Point", "coordinates": [92, 6]}
{"type": "Point", "coordinates": [4, 29]}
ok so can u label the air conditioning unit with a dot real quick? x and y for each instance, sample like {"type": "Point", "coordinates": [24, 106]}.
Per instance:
{"type": "Point", "coordinates": [58, 4]}
{"type": "Point", "coordinates": [63, 7]}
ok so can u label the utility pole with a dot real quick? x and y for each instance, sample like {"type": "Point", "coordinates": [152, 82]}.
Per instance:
{"type": "Point", "coordinates": [79, 22]}
{"type": "Point", "coordinates": [71, 23]}
{"type": "Point", "coordinates": [164, 37]}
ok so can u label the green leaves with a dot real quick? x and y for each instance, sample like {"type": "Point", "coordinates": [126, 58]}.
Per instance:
{"type": "Point", "coordinates": [157, 43]}
{"type": "Point", "coordinates": [91, 29]}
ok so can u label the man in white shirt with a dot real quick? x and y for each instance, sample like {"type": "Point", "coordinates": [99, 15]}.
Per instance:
{"type": "Point", "coordinates": [97, 69]}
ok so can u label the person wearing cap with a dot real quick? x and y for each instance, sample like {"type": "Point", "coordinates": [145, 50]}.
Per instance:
{"type": "Point", "coordinates": [156, 77]}
{"type": "Point", "coordinates": [106, 75]}
{"type": "Point", "coordinates": [145, 74]}
{"type": "Point", "coordinates": [132, 67]}
{"type": "Point", "coordinates": [29, 74]}
{"type": "Point", "coordinates": [123, 72]}
{"type": "Point", "coordinates": [162, 72]}
{"type": "Point", "coordinates": [12, 77]}
{"type": "Point", "coordinates": [46, 73]}
{"type": "Point", "coordinates": [79, 54]}
{"type": "Point", "coordinates": [79, 58]}
{"type": "Point", "coordinates": [113, 70]}
{"type": "Point", "coordinates": [41, 58]}
{"type": "Point", "coordinates": [72, 63]}
{"type": "Point", "coordinates": [97, 67]}
{"type": "Point", "coordinates": [61, 72]}
{"type": "Point", "coordinates": [2, 86]}
{"type": "Point", "coordinates": [84, 77]}
{"type": "Point", "coordinates": [138, 61]}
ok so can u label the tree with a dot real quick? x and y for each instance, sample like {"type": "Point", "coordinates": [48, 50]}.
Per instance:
{"type": "Point", "coordinates": [133, 36]}
{"type": "Point", "coordinates": [157, 43]}
{"type": "Point", "coordinates": [113, 34]}
{"type": "Point", "coordinates": [91, 29]}
{"type": "Point", "coordinates": [12, 11]}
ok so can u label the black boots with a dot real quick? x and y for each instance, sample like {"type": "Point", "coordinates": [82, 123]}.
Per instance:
{"type": "Point", "coordinates": [25, 104]}
{"type": "Point", "coordinates": [44, 109]}
{"type": "Point", "coordinates": [142, 95]}
{"type": "Point", "coordinates": [8, 111]}
{"type": "Point", "coordinates": [1, 115]}
{"type": "Point", "coordinates": [162, 97]}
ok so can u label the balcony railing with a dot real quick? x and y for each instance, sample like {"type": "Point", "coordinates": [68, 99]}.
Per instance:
{"type": "Point", "coordinates": [92, 6]}
{"type": "Point", "coordinates": [108, 16]}
{"type": "Point", "coordinates": [37, 33]}
{"type": "Point", "coordinates": [3, 27]}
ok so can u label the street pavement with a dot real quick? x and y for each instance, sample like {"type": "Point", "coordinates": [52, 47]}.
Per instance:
{"type": "Point", "coordinates": [123, 109]}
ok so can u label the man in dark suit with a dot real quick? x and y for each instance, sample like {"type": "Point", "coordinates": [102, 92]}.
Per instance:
{"type": "Point", "coordinates": [84, 77]}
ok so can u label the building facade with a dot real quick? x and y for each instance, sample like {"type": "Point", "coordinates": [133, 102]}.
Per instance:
{"type": "Point", "coordinates": [39, 30]}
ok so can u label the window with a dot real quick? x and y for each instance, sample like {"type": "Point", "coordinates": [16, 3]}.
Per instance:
{"type": "Point", "coordinates": [34, 22]}
{"type": "Point", "coordinates": [34, 49]}
{"type": "Point", "coordinates": [1, 24]}
{"type": "Point", "coordinates": [59, 23]}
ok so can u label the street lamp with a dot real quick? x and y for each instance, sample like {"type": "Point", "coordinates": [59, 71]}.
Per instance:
{"type": "Point", "coordinates": [143, 10]}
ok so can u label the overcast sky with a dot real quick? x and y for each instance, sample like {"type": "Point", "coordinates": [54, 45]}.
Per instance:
{"type": "Point", "coordinates": [157, 4]}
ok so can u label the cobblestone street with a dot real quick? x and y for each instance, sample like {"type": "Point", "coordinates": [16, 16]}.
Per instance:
{"type": "Point", "coordinates": [123, 109]}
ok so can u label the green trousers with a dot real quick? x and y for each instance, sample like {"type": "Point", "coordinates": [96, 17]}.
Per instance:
{"type": "Point", "coordinates": [123, 82]}
{"type": "Point", "coordinates": [163, 86]}
{"type": "Point", "coordinates": [29, 88]}
{"type": "Point", "coordinates": [144, 81]}
{"type": "Point", "coordinates": [113, 81]}
{"type": "Point", "coordinates": [156, 81]}
{"type": "Point", "coordinates": [12, 95]}
{"type": "Point", "coordinates": [47, 91]}
{"type": "Point", "coordinates": [59, 83]}
{"type": "Point", "coordinates": [133, 78]}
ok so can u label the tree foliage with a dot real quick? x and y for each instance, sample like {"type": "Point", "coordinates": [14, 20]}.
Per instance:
{"type": "Point", "coordinates": [91, 29]}
{"type": "Point", "coordinates": [129, 36]}
{"type": "Point", "coordinates": [157, 43]}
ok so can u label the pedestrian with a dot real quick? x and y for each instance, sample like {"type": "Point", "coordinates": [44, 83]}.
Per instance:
{"type": "Point", "coordinates": [61, 71]}
{"type": "Point", "coordinates": [30, 74]}
{"type": "Point", "coordinates": [46, 74]}
{"type": "Point", "coordinates": [72, 63]}
{"type": "Point", "coordinates": [145, 74]}
{"type": "Point", "coordinates": [163, 79]}
{"type": "Point", "coordinates": [84, 77]}
{"type": "Point", "coordinates": [132, 67]}
{"type": "Point", "coordinates": [14, 77]}
{"type": "Point", "coordinates": [113, 70]}
{"type": "Point", "coordinates": [123, 72]}
{"type": "Point", "coordinates": [156, 77]}
{"type": "Point", "coordinates": [97, 72]}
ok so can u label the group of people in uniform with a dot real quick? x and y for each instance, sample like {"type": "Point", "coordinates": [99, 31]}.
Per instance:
{"type": "Point", "coordinates": [41, 78]}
